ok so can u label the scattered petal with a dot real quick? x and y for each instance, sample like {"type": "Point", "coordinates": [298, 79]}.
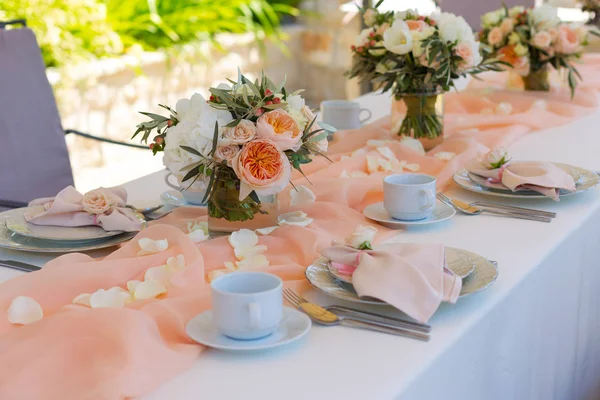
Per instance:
{"type": "Point", "coordinates": [113, 297]}
{"type": "Point", "coordinates": [83, 299]}
{"type": "Point", "coordinates": [242, 253]}
{"type": "Point", "coordinates": [161, 273]}
{"type": "Point", "coordinates": [445, 155]}
{"type": "Point", "coordinates": [302, 195]}
{"type": "Point", "coordinates": [412, 167]}
{"type": "Point", "coordinates": [193, 226]}
{"type": "Point", "coordinates": [358, 152]}
{"type": "Point", "coordinates": [230, 266]}
{"type": "Point", "coordinates": [176, 263]}
{"type": "Point", "coordinates": [358, 174]}
{"type": "Point", "coordinates": [149, 289]}
{"type": "Point", "coordinates": [243, 238]}
{"type": "Point", "coordinates": [413, 144]}
{"type": "Point", "coordinates": [387, 153]}
{"type": "Point", "coordinates": [266, 231]}
{"type": "Point", "coordinates": [198, 236]}
{"type": "Point", "coordinates": [131, 285]}
{"type": "Point", "coordinates": [24, 310]}
{"type": "Point", "coordinates": [258, 261]}
{"type": "Point", "coordinates": [149, 246]}
{"type": "Point", "coordinates": [295, 218]}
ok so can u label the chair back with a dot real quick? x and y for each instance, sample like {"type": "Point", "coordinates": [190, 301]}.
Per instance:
{"type": "Point", "coordinates": [34, 161]}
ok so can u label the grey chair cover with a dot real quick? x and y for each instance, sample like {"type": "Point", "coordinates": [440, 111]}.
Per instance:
{"type": "Point", "coordinates": [34, 161]}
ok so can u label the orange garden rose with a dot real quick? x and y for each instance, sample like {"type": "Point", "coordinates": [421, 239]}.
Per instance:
{"type": "Point", "coordinates": [520, 63]}
{"type": "Point", "coordinates": [281, 128]}
{"type": "Point", "coordinates": [261, 166]}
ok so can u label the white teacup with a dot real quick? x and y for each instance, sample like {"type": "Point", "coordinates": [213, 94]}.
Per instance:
{"type": "Point", "coordinates": [343, 114]}
{"type": "Point", "coordinates": [190, 196]}
{"type": "Point", "coordinates": [247, 305]}
{"type": "Point", "coordinates": [409, 197]}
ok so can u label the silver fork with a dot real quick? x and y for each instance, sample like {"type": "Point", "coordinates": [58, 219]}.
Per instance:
{"type": "Point", "coordinates": [328, 318]}
{"type": "Point", "coordinates": [472, 210]}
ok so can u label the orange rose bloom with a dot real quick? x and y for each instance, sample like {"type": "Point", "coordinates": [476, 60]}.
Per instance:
{"type": "Point", "coordinates": [280, 127]}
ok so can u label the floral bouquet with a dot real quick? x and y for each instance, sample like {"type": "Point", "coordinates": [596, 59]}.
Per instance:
{"type": "Point", "coordinates": [241, 144]}
{"type": "Point", "coordinates": [418, 58]}
{"type": "Point", "coordinates": [531, 40]}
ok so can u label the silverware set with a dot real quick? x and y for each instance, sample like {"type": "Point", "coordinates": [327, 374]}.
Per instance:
{"type": "Point", "coordinates": [480, 207]}
{"type": "Point", "coordinates": [338, 315]}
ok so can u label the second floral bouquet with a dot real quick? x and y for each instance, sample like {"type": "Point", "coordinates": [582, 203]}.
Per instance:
{"type": "Point", "coordinates": [241, 144]}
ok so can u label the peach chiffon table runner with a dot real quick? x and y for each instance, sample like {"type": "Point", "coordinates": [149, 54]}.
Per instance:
{"type": "Point", "coordinates": [73, 354]}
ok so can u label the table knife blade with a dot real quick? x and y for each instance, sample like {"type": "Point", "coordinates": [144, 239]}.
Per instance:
{"type": "Point", "coordinates": [21, 266]}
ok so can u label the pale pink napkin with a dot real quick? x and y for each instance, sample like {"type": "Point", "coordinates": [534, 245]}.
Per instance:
{"type": "Point", "coordinates": [411, 277]}
{"type": "Point", "coordinates": [67, 209]}
{"type": "Point", "coordinates": [545, 178]}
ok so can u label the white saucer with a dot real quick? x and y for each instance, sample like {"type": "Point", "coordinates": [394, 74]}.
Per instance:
{"type": "Point", "coordinates": [376, 212]}
{"type": "Point", "coordinates": [294, 325]}
{"type": "Point", "coordinates": [174, 198]}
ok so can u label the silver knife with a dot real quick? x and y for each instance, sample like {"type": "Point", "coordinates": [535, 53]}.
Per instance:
{"type": "Point", "coordinates": [21, 266]}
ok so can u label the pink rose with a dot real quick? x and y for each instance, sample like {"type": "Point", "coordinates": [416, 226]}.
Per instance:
{"type": "Point", "coordinates": [281, 128]}
{"type": "Point", "coordinates": [241, 133]}
{"type": "Point", "coordinates": [226, 153]}
{"type": "Point", "coordinates": [553, 34]}
{"type": "Point", "coordinates": [542, 40]}
{"type": "Point", "coordinates": [97, 201]}
{"type": "Point", "coordinates": [416, 25]}
{"type": "Point", "coordinates": [567, 41]}
{"type": "Point", "coordinates": [261, 166]}
{"type": "Point", "coordinates": [507, 25]}
{"type": "Point", "coordinates": [465, 51]}
{"type": "Point", "coordinates": [522, 66]}
{"type": "Point", "coordinates": [495, 36]}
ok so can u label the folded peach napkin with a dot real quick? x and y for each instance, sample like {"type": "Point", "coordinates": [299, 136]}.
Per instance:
{"type": "Point", "coordinates": [104, 207]}
{"type": "Point", "coordinates": [411, 277]}
{"type": "Point", "coordinates": [545, 178]}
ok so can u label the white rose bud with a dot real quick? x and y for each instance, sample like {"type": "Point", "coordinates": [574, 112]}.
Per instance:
{"type": "Point", "coordinates": [496, 158]}
{"type": "Point", "coordinates": [362, 237]}
{"type": "Point", "coordinates": [97, 201]}
{"type": "Point", "coordinates": [370, 17]}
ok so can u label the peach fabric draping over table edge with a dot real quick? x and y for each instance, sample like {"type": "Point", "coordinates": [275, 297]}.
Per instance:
{"type": "Point", "coordinates": [80, 353]}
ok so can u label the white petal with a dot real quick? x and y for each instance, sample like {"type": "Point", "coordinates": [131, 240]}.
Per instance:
{"type": "Point", "coordinates": [266, 231]}
{"type": "Point", "coordinates": [176, 263]}
{"type": "Point", "coordinates": [387, 153]}
{"type": "Point", "coordinates": [195, 226]}
{"type": "Point", "coordinates": [24, 310]}
{"type": "Point", "coordinates": [197, 236]}
{"type": "Point", "coordinates": [131, 285]}
{"type": "Point", "coordinates": [212, 275]}
{"type": "Point", "coordinates": [412, 167]}
{"type": "Point", "coordinates": [445, 155]}
{"type": "Point", "coordinates": [83, 299]}
{"type": "Point", "coordinates": [295, 218]}
{"type": "Point", "coordinates": [242, 253]}
{"type": "Point", "coordinates": [149, 246]}
{"type": "Point", "coordinates": [302, 195]}
{"type": "Point", "coordinates": [243, 238]}
{"type": "Point", "coordinates": [413, 144]}
{"type": "Point", "coordinates": [230, 266]}
{"type": "Point", "coordinates": [107, 298]}
{"type": "Point", "coordinates": [372, 164]}
{"type": "Point", "coordinates": [358, 152]}
{"type": "Point", "coordinates": [358, 174]}
{"type": "Point", "coordinates": [258, 261]}
{"type": "Point", "coordinates": [161, 273]}
{"type": "Point", "coordinates": [149, 289]}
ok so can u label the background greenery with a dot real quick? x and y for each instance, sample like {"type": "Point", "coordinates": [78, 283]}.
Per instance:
{"type": "Point", "coordinates": [70, 31]}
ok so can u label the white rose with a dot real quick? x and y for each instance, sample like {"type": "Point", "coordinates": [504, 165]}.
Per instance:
{"type": "Point", "coordinates": [97, 201]}
{"type": "Point", "coordinates": [296, 102]}
{"type": "Point", "coordinates": [402, 15]}
{"type": "Point", "coordinates": [370, 17]}
{"type": "Point", "coordinates": [513, 12]}
{"type": "Point", "coordinates": [453, 28]}
{"type": "Point", "coordinates": [496, 158]}
{"type": "Point", "coordinates": [362, 237]}
{"type": "Point", "coordinates": [545, 16]}
{"type": "Point", "coordinates": [398, 38]}
{"type": "Point", "coordinates": [491, 18]}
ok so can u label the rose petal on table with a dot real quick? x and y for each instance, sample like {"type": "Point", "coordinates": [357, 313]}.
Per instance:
{"type": "Point", "coordinates": [176, 263]}
{"type": "Point", "coordinates": [266, 231]}
{"type": "Point", "coordinates": [149, 289]}
{"type": "Point", "coordinates": [24, 310]}
{"type": "Point", "coordinates": [255, 262]}
{"type": "Point", "coordinates": [295, 218]}
{"type": "Point", "coordinates": [387, 153]}
{"type": "Point", "coordinates": [161, 273]}
{"type": "Point", "coordinates": [131, 285]}
{"type": "Point", "coordinates": [230, 266]}
{"type": "Point", "coordinates": [445, 155]}
{"type": "Point", "coordinates": [411, 167]}
{"type": "Point", "coordinates": [83, 299]}
{"type": "Point", "coordinates": [150, 246]}
{"type": "Point", "coordinates": [243, 238]}
{"type": "Point", "coordinates": [194, 225]}
{"type": "Point", "coordinates": [198, 236]}
{"type": "Point", "coordinates": [301, 195]}
{"type": "Point", "coordinates": [413, 144]}
{"type": "Point", "coordinates": [113, 298]}
{"type": "Point", "coordinates": [242, 253]}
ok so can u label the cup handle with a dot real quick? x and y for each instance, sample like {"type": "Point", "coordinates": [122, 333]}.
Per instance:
{"type": "Point", "coordinates": [255, 315]}
{"type": "Point", "coordinates": [429, 198]}
{"type": "Point", "coordinates": [368, 117]}
{"type": "Point", "coordinates": [169, 183]}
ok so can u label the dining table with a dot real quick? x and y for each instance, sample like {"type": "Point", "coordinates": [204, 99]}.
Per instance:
{"type": "Point", "coordinates": [531, 335]}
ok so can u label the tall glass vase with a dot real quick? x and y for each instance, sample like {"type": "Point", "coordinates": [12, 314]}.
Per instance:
{"type": "Point", "coordinates": [420, 116]}
{"type": "Point", "coordinates": [226, 213]}
{"type": "Point", "coordinates": [537, 80]}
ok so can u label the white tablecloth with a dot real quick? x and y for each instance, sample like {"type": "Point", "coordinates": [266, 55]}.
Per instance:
{"type": "Point", "coordinates": [532, 335]}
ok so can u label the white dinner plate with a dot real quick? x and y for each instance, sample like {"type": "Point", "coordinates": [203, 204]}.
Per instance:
{"type": "Point", "coordinates": [15, 222]}
{"type": "Point", "coordinates": [175, 198]}
{"type": "Point", "coordinates": [458, 262]}
{"type": "Point", "coordinates": [482, 277]}
{"type": "Point", "coordinates": [377, 212]}
{"type": "Point", "coordinates": [585, 180]}
{"type": "Point", "coordinates": [294, 325]}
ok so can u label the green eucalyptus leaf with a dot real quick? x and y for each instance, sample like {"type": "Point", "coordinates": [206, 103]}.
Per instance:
{"type": "Point", "coordinates": [327, 127]}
